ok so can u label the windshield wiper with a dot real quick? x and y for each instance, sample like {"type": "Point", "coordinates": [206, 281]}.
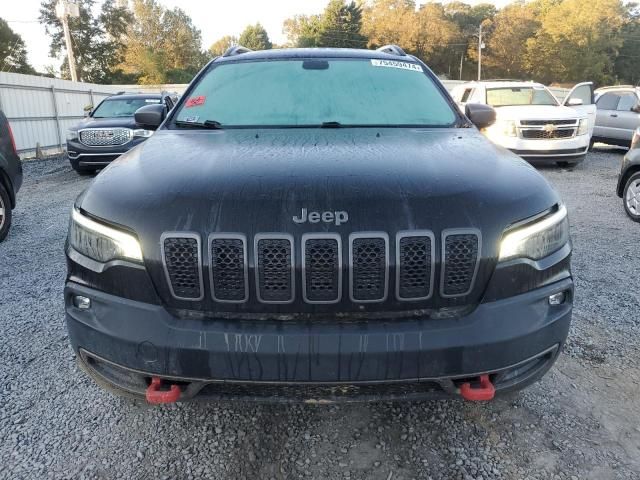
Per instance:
{"type": "Point", "coordinates": [330, 125]}
{"type": "Point", "coordinates": [210, 124]}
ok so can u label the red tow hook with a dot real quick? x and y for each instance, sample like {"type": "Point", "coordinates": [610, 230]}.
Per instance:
{"type": "Point", "coordinates": [486, 390]}
{"type": "Point", "coordinates": [156, 396]}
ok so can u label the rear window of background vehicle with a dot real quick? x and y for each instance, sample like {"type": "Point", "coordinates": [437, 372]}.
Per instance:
{"type": "Point", "coordinates": [313, 91]}
{"type": "Point", "coordinates": [122, 107]}
{"type": "Point", "coordinates": [516, 96]}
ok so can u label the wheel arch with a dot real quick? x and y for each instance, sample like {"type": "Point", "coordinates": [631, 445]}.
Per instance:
{"type": "Point", "coordinates": [626, 176]}
{"type": "Point", "coordinates": [8, 186]}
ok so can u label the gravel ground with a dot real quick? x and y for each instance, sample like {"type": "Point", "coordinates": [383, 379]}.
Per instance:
{"type": "Point", "coordinates": [580, 422]}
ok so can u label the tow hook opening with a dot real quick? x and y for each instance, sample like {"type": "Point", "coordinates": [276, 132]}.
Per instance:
{"type": "Point", "coordinates": [158, 393]}
{"type": "Point", "coordinates": [479, 389]}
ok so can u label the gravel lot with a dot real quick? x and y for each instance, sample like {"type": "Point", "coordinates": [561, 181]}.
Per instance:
{"type": "Point", "coordinates": [582, 421]}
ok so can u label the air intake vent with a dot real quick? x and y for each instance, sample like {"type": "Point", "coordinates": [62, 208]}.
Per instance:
{"type": "Point", "coordinates": [181, 255]}
{"type": "Point", "coordinates": [274, 268]}
{"type": "Point", "coordinates": [369, 259]}
{"type": "Point", "coordinates": [229, 279]}
{"type": "Point", "coordinates": [460, 258]}
{"type": "Point", "coordinates": [322, 268]}
{"type": "Point", "coordinates": [414, 265]}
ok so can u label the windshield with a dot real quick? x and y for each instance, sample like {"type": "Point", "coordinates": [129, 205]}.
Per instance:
{"type": "Point", "coordinates": [122, 107]}
{"type": "Point", "coordinates": [513, 96]}
{"type": "Point", "coordinates": [313, 92]}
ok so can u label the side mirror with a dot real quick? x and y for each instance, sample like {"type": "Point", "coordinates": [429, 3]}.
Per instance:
{"type": "Point", "coordinates": [575, 102]}
{"type": "Point", "coordinates": [87, 110]}
{"type": "Point", "coordinates": [636, 108]}
{"type": "Point", "coordinates": [150, 116]}
{"type": "Point", "coordinates": [482, 116]}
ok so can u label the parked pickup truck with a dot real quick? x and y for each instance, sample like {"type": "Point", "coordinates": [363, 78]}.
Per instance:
{"type": "Point", "coordinates": [532, 123]}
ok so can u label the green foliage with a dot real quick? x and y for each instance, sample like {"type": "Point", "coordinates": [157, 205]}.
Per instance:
{"type": "Point", "coordinates": [339, 26]}
{"type": "Point", "coordinates": [255, 37]}
{"type": "Point", "coordinates": [97, 39]}
{"type": "Point", "coordinates": [223, 44]}
{"type": "Point", "coordinates": [13, 53]}
{"type": "Point", "coordinates": [162, 46]}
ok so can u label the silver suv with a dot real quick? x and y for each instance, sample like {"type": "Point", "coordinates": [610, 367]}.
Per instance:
{"type": "Point", "coordinates": [618, 114]}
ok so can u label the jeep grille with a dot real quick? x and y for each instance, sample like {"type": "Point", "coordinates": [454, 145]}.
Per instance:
{"type": "Point", "coordinates": [272, 262]}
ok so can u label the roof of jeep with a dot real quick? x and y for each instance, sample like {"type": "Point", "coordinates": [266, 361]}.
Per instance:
{"type": "Point", "coordinates": [285, 53]}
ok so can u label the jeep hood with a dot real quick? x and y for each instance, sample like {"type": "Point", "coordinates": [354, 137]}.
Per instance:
{"type": "Point", "coordinates": [253, 181]}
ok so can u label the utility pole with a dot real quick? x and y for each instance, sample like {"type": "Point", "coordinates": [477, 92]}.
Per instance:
{"type": "Point", "coordinates": [480, 47]}
{"type": "Point", "coordinates": [461, 59]}
{"type": "Point", "coordinates": [64, 10]}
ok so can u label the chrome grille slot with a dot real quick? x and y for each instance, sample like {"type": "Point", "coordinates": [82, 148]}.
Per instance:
{"type": "Point", "coordinates": [461, 251]}
{"type": "Point", "coordinates": [539, 134]}
{"type": "Point", "coordinates": [229, 277]}
{"type": "Point", "coordinates": [321, 268]}
{"type": "Point", "coordinates": [181, 256]}
{"type": "Point", "coordinates": [414, 265]}
{"type": "Point", "coordinates": [274, 268]}
{"type": "Point", "coordinates": [100, 137]}
{"type": "Point", "coordinates": [369, 264]}
{"type": "Point", "coordinates": [548, 122]}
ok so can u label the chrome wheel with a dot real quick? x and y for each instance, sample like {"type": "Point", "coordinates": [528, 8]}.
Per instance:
{"type": "Point", "coordinates": [632, 197]}
{"type": "Point", "coordinates": [3, 216]}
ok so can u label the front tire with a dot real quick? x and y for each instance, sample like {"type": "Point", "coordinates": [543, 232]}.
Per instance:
{"type": "Point", "coordinates": [5, 213]}
{"type": "Point", "coordinates": [631, 197]}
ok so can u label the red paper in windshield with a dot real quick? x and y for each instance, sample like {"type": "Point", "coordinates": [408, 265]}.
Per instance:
{"type": "Point", "coordinates": [195, 101]}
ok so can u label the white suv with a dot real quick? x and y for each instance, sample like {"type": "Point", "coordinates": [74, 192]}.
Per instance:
{"type": "Point", "coordinates": [532, 123]}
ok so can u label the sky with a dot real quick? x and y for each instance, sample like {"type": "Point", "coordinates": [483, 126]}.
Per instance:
{"type": "Point", "coordinates": [214, 18]}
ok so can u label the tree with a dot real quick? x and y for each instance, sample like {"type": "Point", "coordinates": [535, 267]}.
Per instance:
{"type": "Point", "coordinates": [627, 66]}
{"type": "Point", "coordinates": [340, 26]}
{"type": "Point", "coordinates": [303, 31]}
{"type": "Point", "coordinates": [162, 46]}
{"type": "Point", "coordinates": [97, 39]}
{"type": "Point", "coordinates": [13, 52]}
{"type": "Point", "coordinates": [506, 43]}
{"type": "Point", "coordinates": [223, 44]}
{"type": "Point", "coordinates": [577, 41]}
{"type": "Point", "coordinates": [389, 22]}
{"type": "Point", "coordinates": [255, 37]}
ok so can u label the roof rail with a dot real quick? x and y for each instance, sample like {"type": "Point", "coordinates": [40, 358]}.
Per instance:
{"type": "Point", "coordinates": [505, 80]}
{"type": "Point", "coordinates": [613, 87]}
{"type": "Point", "coordinates": [236, 50]}
{"type": "Point", "coordinates": [392, 50]}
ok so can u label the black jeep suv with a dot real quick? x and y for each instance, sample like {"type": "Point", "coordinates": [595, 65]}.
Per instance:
{"type": "Point", "coordinates": [10, 175]}
{"type": "Point", "coordinates": [317, 225]}
{"type": "Point", "coordinates": [110, 130]}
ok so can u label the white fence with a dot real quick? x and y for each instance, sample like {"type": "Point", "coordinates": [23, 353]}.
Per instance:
{"type": "Point", "coordinates": [41, 109]}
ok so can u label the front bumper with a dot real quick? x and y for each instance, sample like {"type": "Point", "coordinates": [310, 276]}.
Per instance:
{"type": "Point", "coordinates": [85, 156]}
{"type": "Point", "coordinates": [123, 343]}
{"type": "Point", "coordinates": [545, 150]}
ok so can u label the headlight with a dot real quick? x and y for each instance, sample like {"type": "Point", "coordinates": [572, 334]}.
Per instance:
{"type": "Point", "coordinates": [142, 133]}
{"type": "Point", "coordinates": [100, 242]}
{"type": "Point", "coordinates": [538, 239]}
{"type": "Point", "coordinates": [635, 142]}
{"type": "Point", "coordinates": [72, 135]}
{"type": "Point", "coordinates": [583, 127]}
{"type": "Point", "coordinates": [506, 128]}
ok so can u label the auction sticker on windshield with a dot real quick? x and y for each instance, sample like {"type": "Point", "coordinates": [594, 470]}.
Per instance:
{"type": "Point", "coordinates": [396, 64]}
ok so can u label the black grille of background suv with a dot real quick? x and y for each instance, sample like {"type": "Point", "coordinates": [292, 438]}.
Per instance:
{"type": "Point", "coordinates": [274, 277]}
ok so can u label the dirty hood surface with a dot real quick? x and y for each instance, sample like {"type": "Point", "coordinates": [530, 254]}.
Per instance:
{"type": "Point", "coordinates": [257, 180]}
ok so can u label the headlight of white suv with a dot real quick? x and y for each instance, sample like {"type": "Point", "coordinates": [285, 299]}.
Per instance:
{"type": "Point", "coordinates": [506, 128]}
{"type": "Point", "coordinates": [583, 127]}
{"type": "Point", "coordinates": [538, 239]}
{"type": "Point", "coordinates": [100, 242]}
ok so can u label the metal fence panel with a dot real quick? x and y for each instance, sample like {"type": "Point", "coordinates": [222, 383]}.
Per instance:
{"type": "Point", "coordinates": [41, 109]}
